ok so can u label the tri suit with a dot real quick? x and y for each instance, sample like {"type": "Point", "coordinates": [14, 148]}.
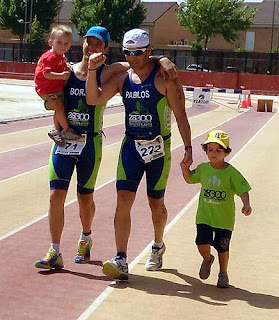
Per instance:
{"type": "Point", "coordinates": [86, 154]}
{"type": "Point", "coordinates": [146, 145]}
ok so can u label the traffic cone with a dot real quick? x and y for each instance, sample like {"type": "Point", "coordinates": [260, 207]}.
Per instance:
{"type": "Point", "coordinates": [243, 102]}
{"type": "Point", "coordinates": [249, 104]}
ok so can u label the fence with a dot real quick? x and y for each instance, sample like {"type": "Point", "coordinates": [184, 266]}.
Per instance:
{"type": "Point", "coordinates": [216, 61]}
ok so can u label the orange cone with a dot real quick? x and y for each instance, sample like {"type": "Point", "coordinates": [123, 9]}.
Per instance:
{"type": "Point", "coordinates": [249, 104]}
{"type": "Point", "coordinates": [243, 102]}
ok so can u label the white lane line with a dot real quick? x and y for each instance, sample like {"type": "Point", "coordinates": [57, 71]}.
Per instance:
{"type": "Point", "coordinates": [34, 170]}
{"type": "Point", "coordinates": [21, 148]}
{"type": "Point", "coordinates": [40, 143]}
{"type": "Point", "coordinates": [108, 182]}
{"type": "Point", "coordinates": [42, 167]}
{"type": "Point", "coordinates": [45, 215]}
{"type": "Point", "coordinates": [97, 302]}
{"type": "Point", "coordinates": [88, 312]}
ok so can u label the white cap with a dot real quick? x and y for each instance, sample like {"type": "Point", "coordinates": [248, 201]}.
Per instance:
{"type": "Point", "coordinates": [135, 38]}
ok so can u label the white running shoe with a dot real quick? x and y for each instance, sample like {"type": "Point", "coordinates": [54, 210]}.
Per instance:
{"type": "Point", "coordinates": [116, 268]}
{"type": "Point", "coordinates": [155, 260]}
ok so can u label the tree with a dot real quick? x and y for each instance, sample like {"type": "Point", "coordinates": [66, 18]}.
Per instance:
{"type": "Point", "coordinates": [17, 15]}
{"type": "Point", "coordinates": [207, 18]}
{"type": "Point", "coordinates": [117, 16]}
{"type": "Point", "coordinates": [36, 34]}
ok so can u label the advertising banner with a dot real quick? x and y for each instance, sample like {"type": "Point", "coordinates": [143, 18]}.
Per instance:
{"type": "Point", "coordinates": [201, 99]}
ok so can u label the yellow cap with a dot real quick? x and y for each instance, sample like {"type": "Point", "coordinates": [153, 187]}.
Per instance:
{"type": "Point", "coordinates": [218, 136]}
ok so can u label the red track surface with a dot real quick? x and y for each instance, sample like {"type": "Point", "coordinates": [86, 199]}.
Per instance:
{"type": "Point", "coordinates": [26, 292]}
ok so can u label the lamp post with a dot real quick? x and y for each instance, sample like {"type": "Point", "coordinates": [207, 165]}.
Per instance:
{"type": "Point", "coordinates": [272, 27]}
{"type": "Point", "coordinates": [25, 19]}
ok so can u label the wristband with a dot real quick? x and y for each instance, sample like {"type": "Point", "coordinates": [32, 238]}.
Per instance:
{"type": "Point", "coordinates": [188, 147]}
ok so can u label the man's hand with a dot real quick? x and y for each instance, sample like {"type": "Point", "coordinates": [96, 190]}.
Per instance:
{"type": "Point", "coordinates": [96, 60]}
{"type": "Point", "coordinates": [168, 69]}
{"type": "Point", "coordinates": [187, 160]}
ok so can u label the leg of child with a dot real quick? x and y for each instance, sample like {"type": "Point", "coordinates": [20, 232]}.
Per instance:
{"type": "Point", "coordinates": [55, 103]}
{"type": "Point", "coordinates": [223, 261]}
{"type": "Point", "coordinates": [204, 250]}
{"type": "Point", "coordinates": [60, 116]}
{"type": "Point", "coordinates": [56, 122]}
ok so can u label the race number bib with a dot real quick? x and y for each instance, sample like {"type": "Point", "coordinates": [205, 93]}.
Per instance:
{"type": "Point", "coordinates": [72, 147]}
{"type": "Point", "coordinates": [150, 149]}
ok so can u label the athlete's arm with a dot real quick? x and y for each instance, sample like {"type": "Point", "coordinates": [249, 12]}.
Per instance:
{"type": "Point", "coordinates": [167, 68]}
{"type": "Point", "coordinates": [94, 94]}
{"type": "Point", "coordinates": [176, 98]}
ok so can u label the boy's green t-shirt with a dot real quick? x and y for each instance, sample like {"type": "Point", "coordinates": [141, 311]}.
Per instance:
{"type": "Point", "coordinates": [218, 187]}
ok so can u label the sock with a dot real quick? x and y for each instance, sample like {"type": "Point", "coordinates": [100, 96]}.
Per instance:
{"type": "Point", "coordinates": [157, 244]}
{"type": "Point", "coordinates": [85, 236]}
{"type": "Point", "coordinates": [121, 255]}
{"type": "Point", "coordinates": [55, 246]}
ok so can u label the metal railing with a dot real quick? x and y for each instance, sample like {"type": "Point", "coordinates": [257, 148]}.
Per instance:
{"type": "Point", "coordinates": [215, 61]}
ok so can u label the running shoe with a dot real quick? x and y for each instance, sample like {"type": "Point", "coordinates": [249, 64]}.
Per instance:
{"type": "Point", "coordinates": [223, 280]}
{"type": "Point", "coordinates": [155, 260]}
{"type": "Point", "coordinates": [206, 268]}
{"type": "Point", "coordinates": [70, 135]}
{"type": "Point", "coordinates": [51, 260]}
{"type": "Point", "coordinates": [83, 251]}
{"type": "Point", "coordinates": [116, 268]}
{"type": "Point", "coordinates": [55, 135]}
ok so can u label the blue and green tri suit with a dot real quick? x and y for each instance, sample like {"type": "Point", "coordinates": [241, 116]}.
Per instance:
{"type": "Point", "coordinates": [83, 118]}
{"type": "Point", "coordinates": [147, 115]}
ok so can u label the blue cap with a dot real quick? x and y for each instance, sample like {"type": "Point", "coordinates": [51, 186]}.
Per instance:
{"type": "Point", "coordinates": [100, 33]}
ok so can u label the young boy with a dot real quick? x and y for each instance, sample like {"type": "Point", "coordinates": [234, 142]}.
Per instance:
{"type": "Point", "coordinates": [50, 75]}
{"type": "Point", "coordinates": [215, 218]}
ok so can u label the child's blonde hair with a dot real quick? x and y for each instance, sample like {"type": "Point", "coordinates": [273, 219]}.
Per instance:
{"type": "Point", "coordinates": [60, 28]}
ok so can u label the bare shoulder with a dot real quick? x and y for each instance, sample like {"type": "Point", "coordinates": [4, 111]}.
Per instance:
{"type": "Point", "coordinates": [167, 85]}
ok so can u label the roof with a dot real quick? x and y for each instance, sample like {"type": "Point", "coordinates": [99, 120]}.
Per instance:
{"type": "Point", "coordinates": [264, 15]}
{"type": "Point", "coordinates": [156, 9]}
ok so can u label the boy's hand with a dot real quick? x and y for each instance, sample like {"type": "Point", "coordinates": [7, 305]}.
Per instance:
{"type": "Point", "coordinates": [96, 60]}
{"type": "Point", "coordinates": [246, 209]}
{"type": "Point", "coordinates": [168, 69]}
{"type": "Point", "coordinates": [66, 75]}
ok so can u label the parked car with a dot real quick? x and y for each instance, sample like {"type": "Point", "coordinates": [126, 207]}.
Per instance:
{"type": "Point", "coordinates": [195, 67]}
{"type": "Point", "coordinates": [231, 69]}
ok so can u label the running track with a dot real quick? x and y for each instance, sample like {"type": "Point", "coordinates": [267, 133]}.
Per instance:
{"type": "Point", "coordinates": [28, 293]}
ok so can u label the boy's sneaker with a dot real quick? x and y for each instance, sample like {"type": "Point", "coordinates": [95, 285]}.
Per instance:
{"type": "Point", "coordinates": [116, 268]}
{"type": "Point", "coordinates": [51, 260]}
{"type": "Point", "coordinates": [83, 251]}
{"type": "Point", "coordinates": [155, 260]}
{"type": "Point", "coordinates": [55, 135]}
{"type": "Point", "coordinates": [223, 280]}
{"type": "Point", "coordinates": [70, 135]}
{"type": "Point", "coordinates": [206, 268]}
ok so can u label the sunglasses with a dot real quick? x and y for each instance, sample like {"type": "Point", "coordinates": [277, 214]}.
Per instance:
{"type": "Point", "coordinates": [136, 52]}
